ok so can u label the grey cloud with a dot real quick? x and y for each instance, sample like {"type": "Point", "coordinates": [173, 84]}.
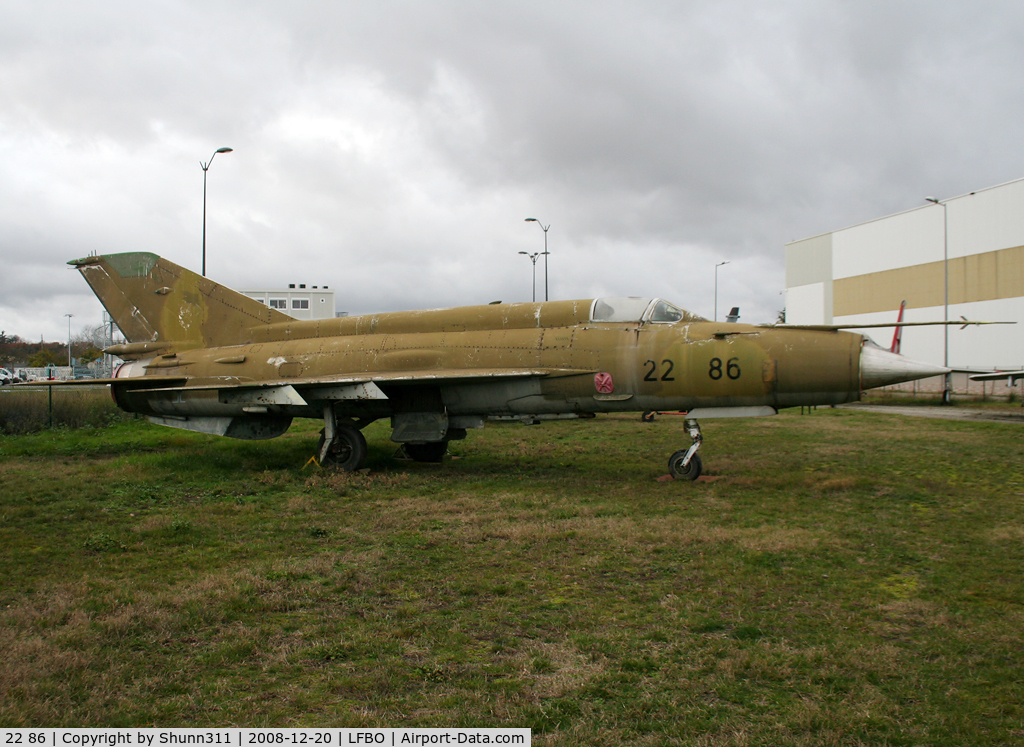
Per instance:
{"type": "Point", "coordinates": [393, 149]}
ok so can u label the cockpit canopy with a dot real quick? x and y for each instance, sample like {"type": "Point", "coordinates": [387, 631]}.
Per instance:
{"type": "Point", "coordinates": [632, 309]}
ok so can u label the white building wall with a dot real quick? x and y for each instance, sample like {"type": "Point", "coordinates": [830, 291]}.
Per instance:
{"type": "Point", "coordinates": [320, 302]}
{"type": "Point", "coordinates": [978, 347]}
{"type": "Point", "coordinates": [910, 238]}
{"type": "Point", "coordinates": [988, 220]}
{"type": "Point", "coordinates": [988, 346]}
{"type": "Point", "coordinates": [805, 304]}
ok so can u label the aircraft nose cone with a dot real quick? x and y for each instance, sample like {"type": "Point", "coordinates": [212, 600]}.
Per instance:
{"type": "Point", "coordinates": [880, 368]}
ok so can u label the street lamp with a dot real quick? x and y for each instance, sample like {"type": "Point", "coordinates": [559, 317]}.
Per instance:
{"type": "Point", "coordinates": [533, 258]}
{"type": "Point", "coordinates": [70, 364]}
{"type": "Point", "coordinates": [947, 380]}
{"type": "Point", "coordinates": [206, 167]}
{"type": "Point", "coordinates": [545, 230]}
{"type": "Point", "coordinates": [716, 286]}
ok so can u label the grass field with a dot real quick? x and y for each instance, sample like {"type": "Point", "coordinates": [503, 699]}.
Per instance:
{"type": "Point", "coordinates": [841, 579]}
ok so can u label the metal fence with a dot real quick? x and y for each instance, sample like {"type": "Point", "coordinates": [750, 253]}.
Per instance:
{"type": "Point", "coordinates": [30, 409]}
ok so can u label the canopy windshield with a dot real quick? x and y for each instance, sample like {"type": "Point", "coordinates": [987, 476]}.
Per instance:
{"type": "Point", "coordinates": [633, 309]}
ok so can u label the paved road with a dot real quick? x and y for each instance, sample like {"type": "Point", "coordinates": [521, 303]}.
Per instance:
{"type": "Point", "coordinates": [946, 413]}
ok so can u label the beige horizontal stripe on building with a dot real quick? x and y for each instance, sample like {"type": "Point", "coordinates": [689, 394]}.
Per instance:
{"type": "Point", "coordinates": [978, 277]}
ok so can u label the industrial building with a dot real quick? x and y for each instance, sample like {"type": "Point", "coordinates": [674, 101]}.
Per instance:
{"type": "Point", "coordinates": [299, 302]}
{"type": "Point", "coordinates": [950, 258]}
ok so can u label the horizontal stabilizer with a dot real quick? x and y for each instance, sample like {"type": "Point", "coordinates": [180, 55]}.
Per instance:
{"type": "Point", "coordinates": [147, 382]}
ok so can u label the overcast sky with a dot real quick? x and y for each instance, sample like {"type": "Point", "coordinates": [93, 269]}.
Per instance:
{"type": "Point", "coordinates": [392, 150]}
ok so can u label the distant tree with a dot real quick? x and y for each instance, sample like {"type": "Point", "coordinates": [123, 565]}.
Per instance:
{"type": "Point", "coordinates": [90, 337]}
{"type": "Point", "coordinates": [8, 345]}
{"type": "Point", "coordinates": [90, 354]}
{"type": "Point", "coordinates": [781, 317]}
{"type": "Point", "coordinates": [16, 352]}
{"type": "Point", "coordinates": [45, 357]}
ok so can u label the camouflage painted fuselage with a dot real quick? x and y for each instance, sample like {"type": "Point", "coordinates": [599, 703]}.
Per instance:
{"type": "Point", "coordinates": [204, 357]}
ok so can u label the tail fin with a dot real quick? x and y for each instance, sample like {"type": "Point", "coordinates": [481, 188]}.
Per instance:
{"type": "Point", "coordinates": [897, 337]}
{"type": "Point", "coordinates": [153, 300]}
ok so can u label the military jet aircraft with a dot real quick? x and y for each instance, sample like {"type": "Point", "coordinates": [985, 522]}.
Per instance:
{"type": "Point", "coordinates": [205, 358]}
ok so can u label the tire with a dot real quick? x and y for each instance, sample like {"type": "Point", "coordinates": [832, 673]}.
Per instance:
{"type": "Point", "coordinates": [429, 452]}
{"type": "Point", "coordinates": [690, 472]}
{"type": "Point", "coordinates": [348, 450]}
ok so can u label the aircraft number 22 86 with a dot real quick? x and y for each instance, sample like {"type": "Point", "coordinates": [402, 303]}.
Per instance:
{"type": "Point", "coordinates": [715, 369]}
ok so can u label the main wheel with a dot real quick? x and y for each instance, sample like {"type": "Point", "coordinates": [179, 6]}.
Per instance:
{"type": "Point", "coordinates": [347, 451]}
{"type": "Point", "coordinates": [433, 451]}
{"type": "Point", "coordinates": [690, 472]}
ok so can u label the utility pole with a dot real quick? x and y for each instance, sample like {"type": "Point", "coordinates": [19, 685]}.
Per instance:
{"type": "Point", "coordinates": [545, 253]}
{"type": "Point", "coordinates": [206, 167]}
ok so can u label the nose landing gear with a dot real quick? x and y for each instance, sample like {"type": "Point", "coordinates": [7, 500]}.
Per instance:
{"type": "Point", "coordinates": [686, 464]}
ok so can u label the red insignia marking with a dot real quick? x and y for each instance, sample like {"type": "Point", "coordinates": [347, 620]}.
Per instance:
{"type": "Point", "coordinates": [603, 383]}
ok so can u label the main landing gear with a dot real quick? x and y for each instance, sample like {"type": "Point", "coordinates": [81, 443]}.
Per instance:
{"type": "Point", "coordinates": [685, 464]}
{"type": "Point", "coordinates": [345, 451]}
{"type": "Point", "coordinates": [342, 445]}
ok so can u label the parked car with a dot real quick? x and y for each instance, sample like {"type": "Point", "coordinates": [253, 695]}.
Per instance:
{"type": "Point", "coordinates": [6, 377]}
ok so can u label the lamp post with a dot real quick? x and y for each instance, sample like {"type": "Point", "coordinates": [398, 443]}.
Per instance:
{"type": "Point", "coordinates": [533, 258]}
{"type": "Point", "coordinates": [545, 252]}
{"type": "Point", "coordinates": [716, 286]}
{"type": "Point", "coordinates": [206, 167]}
{"type": "Point", "coordinates": [947, 385]}
{"type": "Point", "coordinates": [70, 364]}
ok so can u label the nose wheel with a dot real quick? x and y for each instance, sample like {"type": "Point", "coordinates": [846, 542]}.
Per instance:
{"type": "Point", "coordinates": [686, 464]}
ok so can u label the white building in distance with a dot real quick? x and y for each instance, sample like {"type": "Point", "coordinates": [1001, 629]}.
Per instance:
{"type": "Point", "coordinates": [861, 274]}
{"type": "Point", "coordinates": [299, 302]}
